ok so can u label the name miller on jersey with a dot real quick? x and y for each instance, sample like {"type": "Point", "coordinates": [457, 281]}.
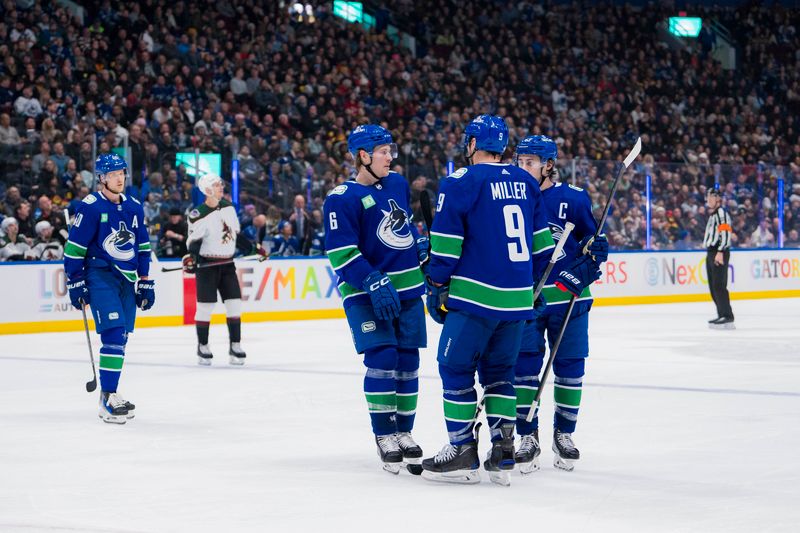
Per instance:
{"type": "Point", "coordinates": [509, 190]}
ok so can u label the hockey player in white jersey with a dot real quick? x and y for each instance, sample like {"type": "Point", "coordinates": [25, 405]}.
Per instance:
{"type": "Point", "coordinates": [214, 236]}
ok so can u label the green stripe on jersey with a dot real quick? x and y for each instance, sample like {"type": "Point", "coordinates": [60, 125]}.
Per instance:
{"type": "Point", "coordinates": [130, 275]}
{"type": "Point", "coordinates": [569, 397]}
{"type": "Point", "coordinates": [491, 297]}
{"type": "Point", "coordinates": [74, 250]}
{"type": "Point", "coordinates": [341, 256]}
{"type": "Point", "coordinates": [553, 295]}
{"type": "Point", "coordinates": [464, 412]}
{"type": "Point", "coordinates": [446, 244]}
{"type": "Point", "coordinates": [401, 281]}
{"type": "Point", "coordinates": [542, 240]}
{"type": "Point", "coordinates": [145, 247]}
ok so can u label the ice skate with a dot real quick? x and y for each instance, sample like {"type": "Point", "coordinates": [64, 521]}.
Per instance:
{"type": "Point", "coordinates": [527, 456]}
{"type": "Point", "coordinates": [390, 453]}
{"type": "Point", "coordinates": [236, 354]}
{"type": "Point", "coordinates": [204, 355]}
{"type": "Point", "coordinates": [565, 450]}
{"type": "Point", "coordinates": [412, 452]}
{"type": "Point", "coordinates": [454, 464]}
{"type": "Point", "coordinates": [128, 405]}
{"type": "Point", "coordinates": [112, 408]}
{"type": "Point", "coordinates": [722, 323]}
{"type": "Point", "coordinates": [500, 459]}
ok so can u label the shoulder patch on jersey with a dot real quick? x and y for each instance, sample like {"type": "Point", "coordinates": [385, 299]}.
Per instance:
{"type": "Point", "coordinates": [194, 213]}
{"type": "Point", "coordinates": [368, 201]}
{"type": "Point", "coordinates": [90, 199]}
{"type": "Point", "coordinates": [339, 189]}
{"type": "Point", "coordinates": [458, 173]}
{"type": "Point", "coordinates": [571, 186]}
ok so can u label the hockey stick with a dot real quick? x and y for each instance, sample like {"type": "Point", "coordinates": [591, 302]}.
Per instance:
{"type": "Point", "coordinates": [217, 263]}
{"type": "Point", "coordinates": [633, 154]}
{"type": "Point", "coordinates": [90, 385]}
{"type": "Point", "coordinates": [425, 207]}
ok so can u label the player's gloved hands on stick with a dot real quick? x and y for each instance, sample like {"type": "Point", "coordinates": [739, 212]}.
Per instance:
{"type": "Point", "coordinates": [437, 300]}
{"type": "Point", "coordinates": [189, 263]}
{"type": "Point", "coordinates": [145, 294]}
{"type": "Point", "coordinates": [580, 274]}
{"type": "Point", "coordinates": [598, 248]}
{"type": "Point", "coordinates": [262, 253]}
{"type": "Point", "coordinates": [78, 293]}
{"type": "Point", "coordinates": [385, 300]}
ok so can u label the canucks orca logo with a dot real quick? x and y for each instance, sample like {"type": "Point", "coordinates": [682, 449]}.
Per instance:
{"type": "Point", "coordinates": [393, 229]}
{"type": "Point", "coordinates": [120, 243]}
{"type": "Point", "coordinates": [557, 232]}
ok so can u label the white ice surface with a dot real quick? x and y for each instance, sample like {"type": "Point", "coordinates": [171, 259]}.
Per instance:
{"type": "Point", "coordinates": [681, 429]}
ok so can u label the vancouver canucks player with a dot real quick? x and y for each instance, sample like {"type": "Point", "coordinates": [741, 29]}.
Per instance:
{"type": "Point", "coordinates": [489, 245]}
{"type": "Point", "coordinates": [563, 203]}
{"type": "Point", "coordinates": [107, 251]}
{"type": "Point", "coordinates": [214, 236]}
{"type": "Point", "coordinates": [376, 251]}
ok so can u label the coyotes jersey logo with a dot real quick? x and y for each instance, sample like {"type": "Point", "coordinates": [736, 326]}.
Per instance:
{"type": "Point", "coordinates": [227, 233]}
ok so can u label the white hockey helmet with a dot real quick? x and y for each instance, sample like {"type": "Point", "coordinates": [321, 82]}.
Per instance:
{"type": "Point", "coordinates": [206, 183]}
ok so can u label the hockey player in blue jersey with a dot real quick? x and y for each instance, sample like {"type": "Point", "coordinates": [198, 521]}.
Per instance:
{"type": "Point", "coordinates": [563, 203]}
{"type": "Point", "coordinates": [376, 251]}
{"type": "Point", "coordinates": [107, 262]}
{"type": "Point", "coordinates": [489, 244]}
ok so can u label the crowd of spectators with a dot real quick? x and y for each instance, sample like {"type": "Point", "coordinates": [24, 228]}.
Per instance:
{"type": "Point", "coordinates": [280, 92]}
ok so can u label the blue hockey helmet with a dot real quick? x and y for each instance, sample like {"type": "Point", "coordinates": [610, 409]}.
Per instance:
{"type": "Point", "coordinates": [540, 145]}
{"type": "Point", "coordinates": [490, 133]}
{"type": "Point", "coordinates": [106, 163]}
{"type": "Point", "coordinates": [367, 136]}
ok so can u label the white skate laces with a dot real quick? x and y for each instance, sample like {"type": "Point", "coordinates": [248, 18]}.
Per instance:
{"type": "Point", "coordinates": [405, 440]}
{"type": "Point", "coordinates": [115, 400]}
{"type": "Point", "coordinates": [527, 444]}
{"type": "Point", "coordinates": [565, 440]}
{"type": "Point", "coordinates": [447, 453]}
{"type": "Point", "coordinates": [388, 443]}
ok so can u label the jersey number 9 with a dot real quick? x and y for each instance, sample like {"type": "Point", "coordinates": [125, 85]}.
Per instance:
{"type": "Point", "coordinates": [515, 229]}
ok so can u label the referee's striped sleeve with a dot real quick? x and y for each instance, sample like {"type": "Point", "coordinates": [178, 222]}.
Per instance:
{"type": "Point", "coordinates": [725, 230]}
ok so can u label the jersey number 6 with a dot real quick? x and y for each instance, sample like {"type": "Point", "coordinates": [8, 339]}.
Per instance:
{"type": "Point", "coordinates": [515, 229]}
{"type": "Point", "coordinates": [332, 221]}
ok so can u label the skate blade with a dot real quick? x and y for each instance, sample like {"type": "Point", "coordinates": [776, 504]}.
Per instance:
{"type": "Point", "coordinates": [392, 468]}
{"type": "Point", "coordinates": [130, 415]}
{"type": "Point", "coordinates": [460, 477]}
{"type": "Point", "coordinates": [203, 361]}
{"type": "Point", "coordinates": [500, 478]}
{"type": "Point", "coordinates": [111, 419]}
{"type": "Point", "coordinates": [567, 465]}
{"type": "Point", "coordinates": [236, 361]}
{"type": "Point", "coordinates": [722, 326]}
{"type": "Point", "coordinates": [529, 467]}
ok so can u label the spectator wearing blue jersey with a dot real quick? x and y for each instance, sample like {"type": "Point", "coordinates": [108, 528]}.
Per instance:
{"type": "Point", "coordinates": [489, 242]}
{"type": "Point", "coordinates": [563, 203]}
{"type": "Point", "coordinates": [284, 244]}
{"type": "Point", "coordinates": [376, 253]}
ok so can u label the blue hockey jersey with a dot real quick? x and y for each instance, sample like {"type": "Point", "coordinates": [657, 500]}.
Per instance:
{"type": "Point", "coordinates": [108, 235]}
{"type": "Point", "coordinates": [566, 203]}
{"type": "Point", "coordinates": [490, 240]}
{"type": "Point", "coordinates": [369, 228]}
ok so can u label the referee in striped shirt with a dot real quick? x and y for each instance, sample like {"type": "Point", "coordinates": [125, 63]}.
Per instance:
{"type": "Point", "coordinates": [718, 245]}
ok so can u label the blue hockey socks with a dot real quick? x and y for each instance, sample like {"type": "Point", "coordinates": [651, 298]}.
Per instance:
{"type": "Point", "coordinates": [112, 355]}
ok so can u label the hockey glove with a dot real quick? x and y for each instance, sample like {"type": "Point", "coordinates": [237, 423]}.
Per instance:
{"type": "Point", "coordinates": [189, 264]}
{"type": "Point", "coordinates": [437, 301]}
{"type": "Point", "coordinates": [145, 294]}
{"type": "Point", "coordinates": [580, 274]}
{"type": "Point", "coordinates": [597, 248]}
{"type": "Point", "coordinates": [78, 293]}
{"type": "Point", "coordinates": [385, 300]}
{"type": "Point", "coordinates": [423, 250]}
{"type": "Point", "coordinates": [262, 253]}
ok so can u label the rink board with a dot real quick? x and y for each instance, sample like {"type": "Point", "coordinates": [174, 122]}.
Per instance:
{"type": "Point", "coordinates": [36, 300]}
